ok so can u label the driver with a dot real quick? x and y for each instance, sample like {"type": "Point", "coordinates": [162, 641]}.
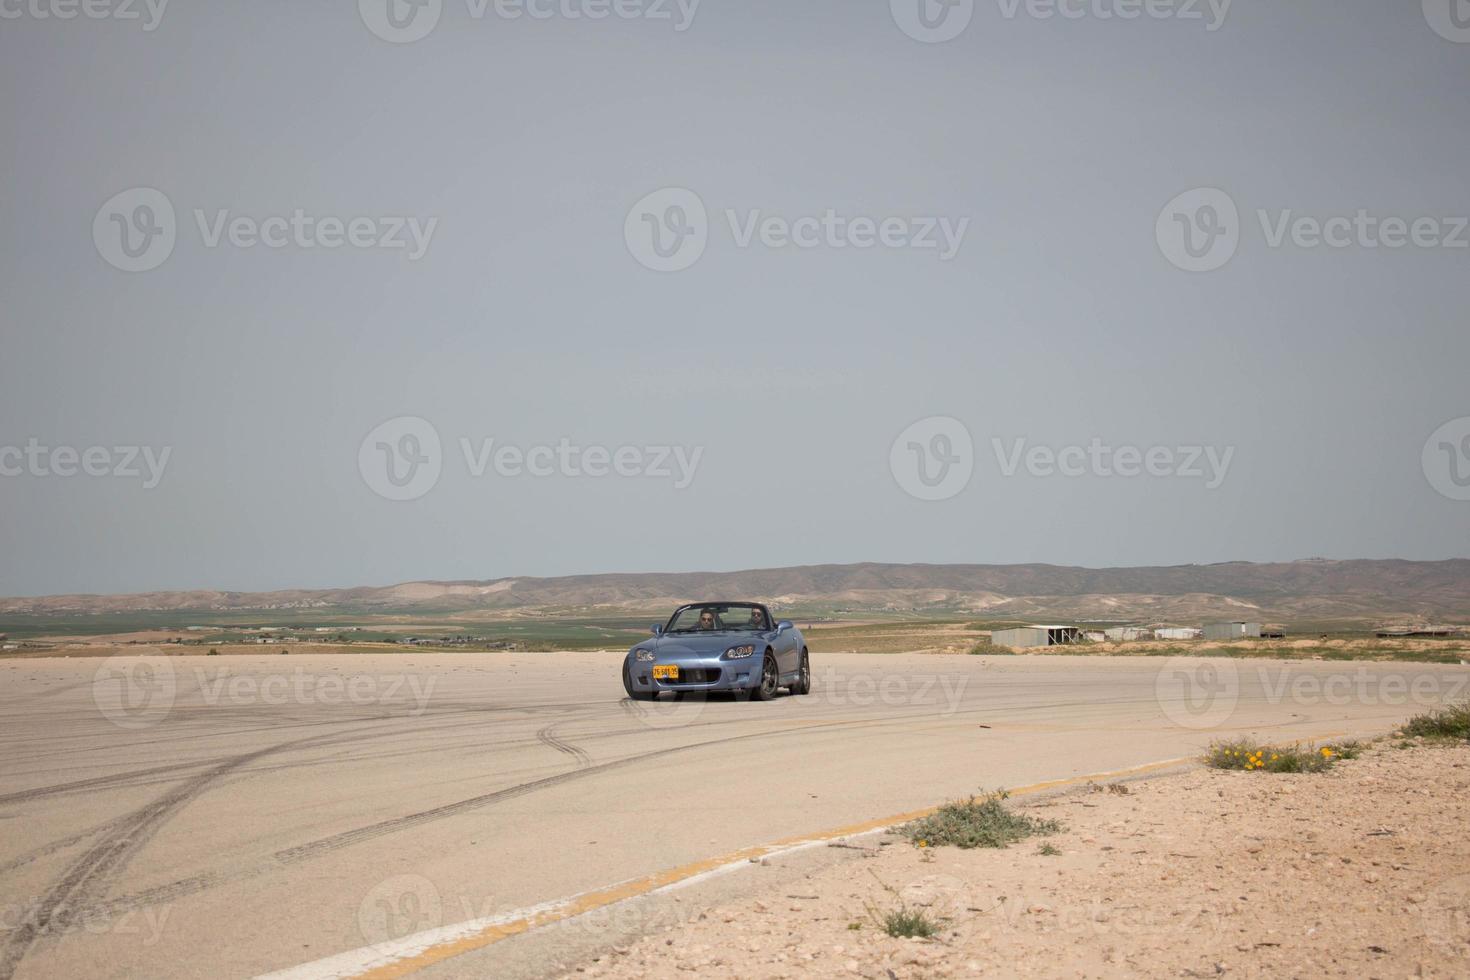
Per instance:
{"type": "Point", "coordinates": [757, 619]}
{"type": "Point", "coordinates": [706, 619]}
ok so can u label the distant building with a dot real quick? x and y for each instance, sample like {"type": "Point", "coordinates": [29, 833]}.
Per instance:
{"type": "Point", "coordinates": [1036, 636]}
{"type": "Point", "coordinates": [1231, 631]}
{"type": "Point", "coordinates": [1177, 633]}
{"type": "Point", "coordinates": [1127, 634]}
{"type": "Point", "coordinates": [1094, 636]}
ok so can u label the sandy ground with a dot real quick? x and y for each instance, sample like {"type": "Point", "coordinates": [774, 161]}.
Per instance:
{"type": "Point", "coordinates": [1361, 871]}
{"type": "Point", "coordinates": [230, 816]}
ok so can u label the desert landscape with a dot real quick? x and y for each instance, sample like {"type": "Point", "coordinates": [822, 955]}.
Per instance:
{"type": "Point", "coordinates": [1331, 609]}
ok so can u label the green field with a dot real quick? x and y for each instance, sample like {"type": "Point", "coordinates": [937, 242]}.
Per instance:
{"type": "Point", "coordinates": [826, 628]}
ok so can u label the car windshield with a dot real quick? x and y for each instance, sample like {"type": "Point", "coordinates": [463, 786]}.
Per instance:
{"type": "Point", "coordinates": [722, 617]}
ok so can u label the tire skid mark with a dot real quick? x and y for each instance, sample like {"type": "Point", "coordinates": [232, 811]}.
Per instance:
{"type": "Point", "coordinates": [118, 781]}
{"type": "Point", "coordinates": [46, 850]}
{"type": "Point", "coordinates": [79, 885]}
{"type": "Point", "coordinates": [292, 855]}
{"type": "Point", "coordinates": [295, 855]}
{"type": "Point", "coordinates": [144, 776]}
{"type": "Point", "coordinates": [547, 736]}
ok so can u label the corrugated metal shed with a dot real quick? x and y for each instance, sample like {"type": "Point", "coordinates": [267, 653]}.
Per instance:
{"type": "Point", "coordinates": [1036, 636]}
{"type": "Point", "coordinates": [1231, 631]}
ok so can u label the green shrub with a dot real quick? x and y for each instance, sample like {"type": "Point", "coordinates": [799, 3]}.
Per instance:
{"type": "Point", "coordinates": [1248, 756]}
{"type": "Point", "coordinates": [1452, 722]}
{"type": "Point", "coordinates": [976, 822]}
{"type": "Point", "coordinates": [907, 923]}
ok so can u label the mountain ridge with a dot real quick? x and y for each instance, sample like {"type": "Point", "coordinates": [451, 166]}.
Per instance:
{"type": "Point", "coordinates": [1356, 588]}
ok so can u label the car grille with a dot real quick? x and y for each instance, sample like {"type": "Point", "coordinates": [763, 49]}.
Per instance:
{"type": "Point", "coordinates": [695, 675]}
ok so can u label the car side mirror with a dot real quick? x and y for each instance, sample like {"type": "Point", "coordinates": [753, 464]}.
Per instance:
{"type": "Point", "coordinates": [658, 629]}
{"type": "Point", "coordinates": [784, 625]}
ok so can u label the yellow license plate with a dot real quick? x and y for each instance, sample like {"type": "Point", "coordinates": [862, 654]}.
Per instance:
{"type": "Point", "coordinates": [666, 672]}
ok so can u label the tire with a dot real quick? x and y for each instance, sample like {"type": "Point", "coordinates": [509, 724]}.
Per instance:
{"type": "Point", "coordinates": [633, 692]}
{"type": "Point", "coordinates": [770, 681]}
{"type": "Point", "coordinates": [803, 683]}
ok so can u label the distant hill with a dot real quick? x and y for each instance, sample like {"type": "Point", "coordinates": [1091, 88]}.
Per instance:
{"type": "Point", "coordinates": [1316, 590]}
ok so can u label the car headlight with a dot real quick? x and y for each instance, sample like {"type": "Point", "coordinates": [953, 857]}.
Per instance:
{"type": "Point", "coordinates": [643, 655]}
{"type": "Point", "coordinates": [739, 653]}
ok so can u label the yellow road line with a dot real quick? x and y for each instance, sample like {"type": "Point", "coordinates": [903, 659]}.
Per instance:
{"type": "Point", "coordinates": [591, 901]}
{"type": "Point", "coordinates": [422, 951]}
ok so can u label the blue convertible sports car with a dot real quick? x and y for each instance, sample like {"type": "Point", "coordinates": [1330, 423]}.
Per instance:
{"type": "Point", "coordinates": [719, 646]}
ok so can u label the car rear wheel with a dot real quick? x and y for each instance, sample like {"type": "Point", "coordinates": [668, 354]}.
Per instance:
{"type": "Point", "coordinates": [803, 682]}
{"type": "Point", "coordinates": [770, 680]}
{"type": "Point", "coordinates": [633, 692]}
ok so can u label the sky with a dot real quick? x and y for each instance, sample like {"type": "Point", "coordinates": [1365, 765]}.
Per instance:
{"type": "Point", "coordinates": [307, 295]}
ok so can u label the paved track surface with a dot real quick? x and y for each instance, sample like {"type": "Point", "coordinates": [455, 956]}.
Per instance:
{"type": "Point", "coordinates": [230, 816]}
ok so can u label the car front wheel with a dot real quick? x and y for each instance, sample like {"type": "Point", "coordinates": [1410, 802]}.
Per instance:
{"type": "Point", "coordinates": [770, 680]}
{"type": "Point", "coordinates": [633, 692]}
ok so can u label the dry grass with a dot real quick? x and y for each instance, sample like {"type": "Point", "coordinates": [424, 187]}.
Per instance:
{"type": "Point", "coordinates": [1447, 724]}
{"type": "Point", "coordinates": [976, 822]}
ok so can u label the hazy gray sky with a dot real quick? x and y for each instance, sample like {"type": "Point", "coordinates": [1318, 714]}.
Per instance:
{"type": "Point", "coordinates": [518, 149]}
